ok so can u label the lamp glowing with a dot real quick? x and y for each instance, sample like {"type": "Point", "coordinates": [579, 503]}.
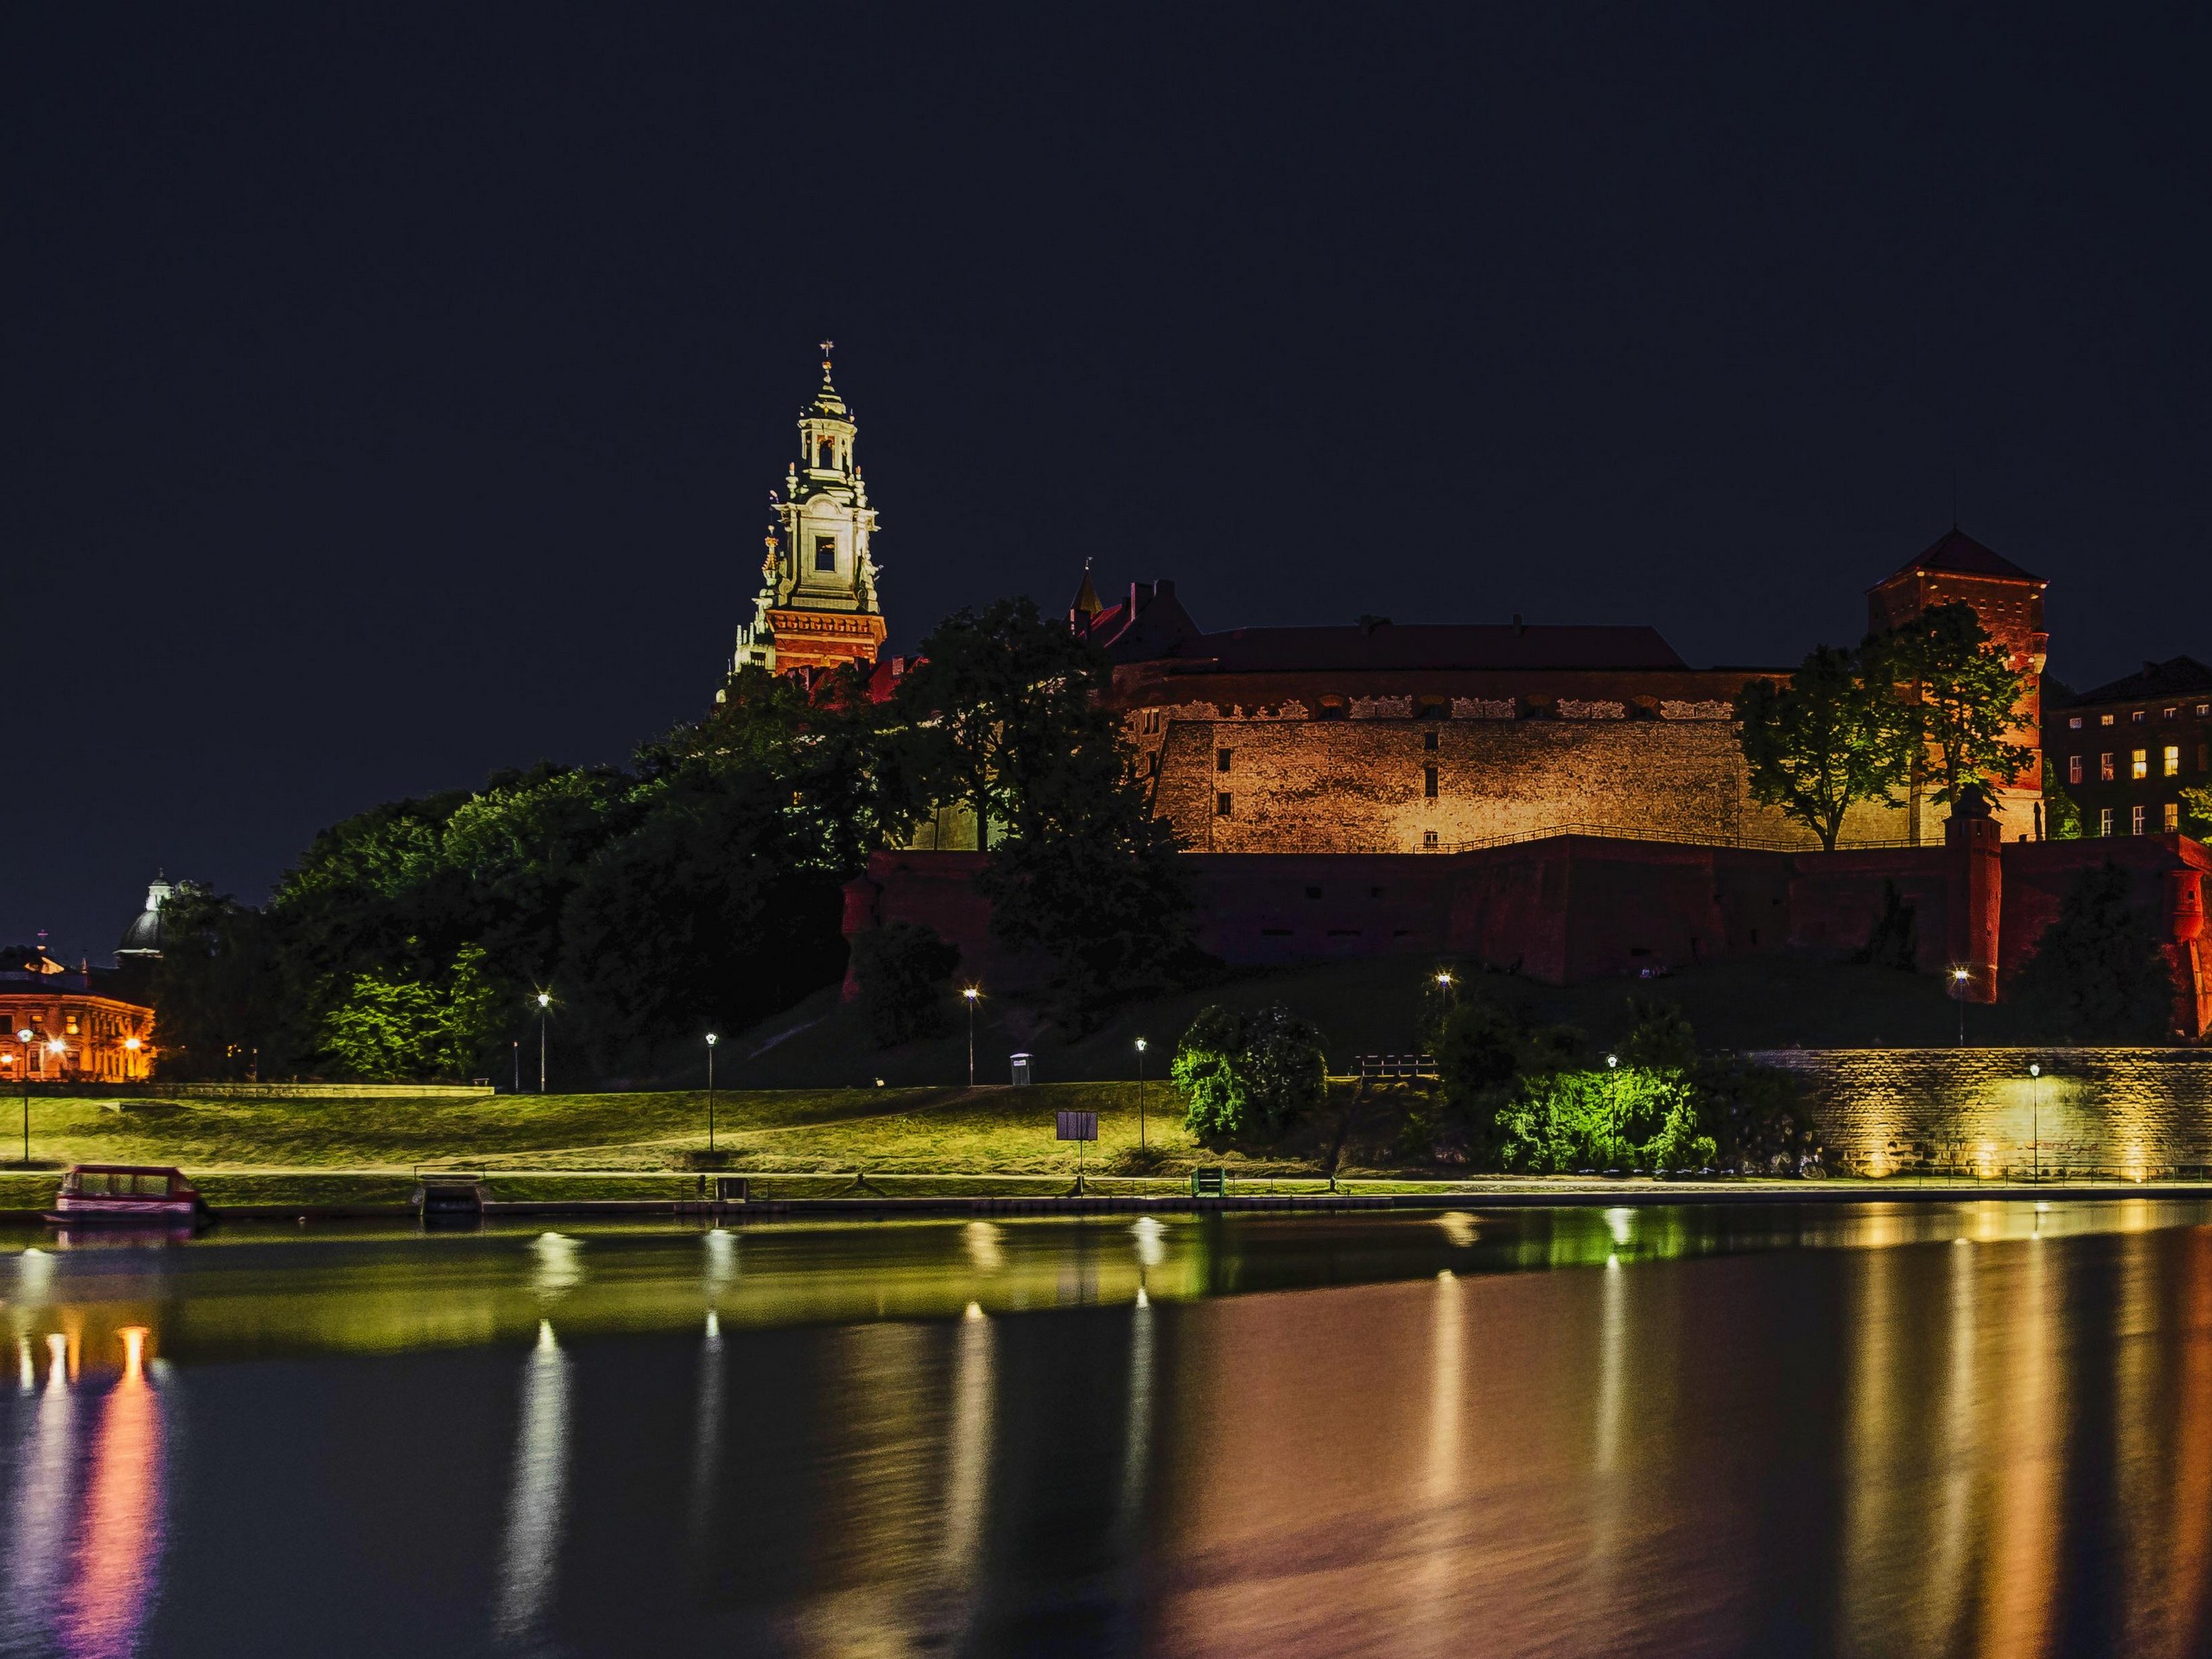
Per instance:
{"type": "Point", "coordinates": [1960, 974]}
{"type": "Point", "coordinates": [2034, 1070]}
{"type": "Point", "coordinates": [970, 992]}
{"type": "Point", "coordinates": [133, 1044]}
{"type": "Point", "coordinates": [1140, 1044]}
{"type": "Point", "coordinates": [544, 998]}
{"type": "Point", "coordinates": [1611, 1060]}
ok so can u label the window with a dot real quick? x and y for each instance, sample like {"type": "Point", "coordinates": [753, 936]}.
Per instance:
{"type": "Point", "coordinates": [1375, 893]}
{"type": "Point", "coordinates": [2169, 713]}
{"type": "Point", "coordinates": [2075, 724]}
{"type": "Point", "coordinates": [1428, 741]}
{"type": "Point", "coordinates": [2173, 817]}
{"type": "Point", "coordinates": [1333, 709]}
{"type": "Point", "coordinates": [2139, 716]}
{"type": "Point", "coordinates": [2104, 767]}
{"type": "Point", "coordinates": [2135, 817]}
{"type": "Point", "coordinates": [2139, 764]}
{"type": "Point", "coordinates": [69, 1025]}
{"type": "Point", "coordinates": [1313, 893]}
{"type": "Point", "coordinates": [1152, 763]}
{"type": "Point", "coordinates": [1428, 782]}
{"type": "Point", "coordinates": [825, 454]}
{"type": "Point", "coordinates": [2104, 821]}
{"type": "Point", "coordinates": [1221, 805]}
{"type": "Point", "coordinates": [1428, 840]}
{"type": "Point", "coordinates": [2172, 758]}
{"type": "Point", "coordinates": [2104, 720]}
{"type": "Point", "coordinates": [2073, 768]}
{"type": "Point", "coordinates": [825, 552]}
{"type": "Point", "coordinates": [2203, 709]}
{"type": "Point", "coordinates": [1221, 760]}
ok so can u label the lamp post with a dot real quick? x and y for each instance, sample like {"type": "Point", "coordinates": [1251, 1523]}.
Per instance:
{"type": "Point", "coordinates": [2035, 1121]}
{"type": "Point", "coordinates": [1140, 1141]}
{"type": "Point", "coordinates": [711, 1040]}
{"type": "Point", "coordinates": [24, 1035]}
{"type": "Point", "coordinates": [1959, 977]}
{"type": "Point", "coordinates": [545, 1013]}
{"type": "Point", "coordinates": [516, 1043]}
{"type": "Point", "coordinates": [971, 993]}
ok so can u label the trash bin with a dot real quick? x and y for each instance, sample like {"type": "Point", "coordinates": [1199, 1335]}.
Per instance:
{"type": "Point", "coordinates": [1021, 1071]}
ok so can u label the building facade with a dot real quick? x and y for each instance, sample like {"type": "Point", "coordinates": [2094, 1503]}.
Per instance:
{"type": "Point", "coordinates": [1389, 738]}
{"type": "Point", "coordinates": [2125, 751]}
{"type": "Point", "coordinates": [817, 606]}
{"type": "Point", "coordinates": [60, 1027]}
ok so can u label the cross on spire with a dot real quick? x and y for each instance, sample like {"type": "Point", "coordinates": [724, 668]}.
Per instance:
{"type": "Point", "coordinates": [828, 346]}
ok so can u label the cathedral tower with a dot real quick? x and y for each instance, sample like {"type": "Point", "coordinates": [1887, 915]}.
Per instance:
{"type": "Point", "coordinates": [816, 608]}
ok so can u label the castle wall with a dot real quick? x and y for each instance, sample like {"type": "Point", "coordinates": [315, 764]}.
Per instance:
{"type": "Point", "coordinates": [1362, 785]}
{"type": "Point", "coordinates": [1571, 908]}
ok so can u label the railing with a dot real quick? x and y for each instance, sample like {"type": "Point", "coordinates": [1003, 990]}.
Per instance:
{"type": "Point", "coordinates": [1396, 1065]}
{"type": "Point", "coordinates": [1595, 831]}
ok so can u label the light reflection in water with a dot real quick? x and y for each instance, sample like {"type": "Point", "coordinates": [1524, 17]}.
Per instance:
{"type": "Point", "coordinates": [44, 1474]}
{"type": "Point", "coordinates": [119, 1546]}
{"type": "Point", "coordinates": [706, 1431]}
{"type": "Point", "coordinates": [968, 1451]}
{"type": "Point", "coordinates": [537, 1497]}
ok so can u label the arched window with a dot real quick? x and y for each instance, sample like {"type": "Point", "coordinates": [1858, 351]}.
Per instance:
{"type": "Point", "coordinates": [826, 454]}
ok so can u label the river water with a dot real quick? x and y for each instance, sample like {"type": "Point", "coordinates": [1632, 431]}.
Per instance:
{"type": "Point", "coordinates": [1976, 1428]}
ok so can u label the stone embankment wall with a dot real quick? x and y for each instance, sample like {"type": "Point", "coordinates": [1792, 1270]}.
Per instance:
{"type": "Point", "coordinates": [1884, 1111]}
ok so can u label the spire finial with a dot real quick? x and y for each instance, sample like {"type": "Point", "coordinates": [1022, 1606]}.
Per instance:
{"type": "Point", "coordinates": [828, 346]}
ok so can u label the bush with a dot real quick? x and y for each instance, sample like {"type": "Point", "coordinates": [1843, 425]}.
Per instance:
{"type": "Point", "coordinates": [1249, 1074]}
{"type": "Point", "coordinates": [1623, 1117]}
{"type": "Point", "coordinates": [906, 977]}
{"type": "Point", "coordinates": [1756, 1115]}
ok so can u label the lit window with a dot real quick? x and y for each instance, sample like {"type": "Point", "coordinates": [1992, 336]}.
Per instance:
{"type": "Point", "coordinates": [2139, 716]}
{"type": "Point", "coordinates": [2104, 822]}
{"type": "Point", "coordinates": [2073, 768]}
{"type": "Point", "coordinates": [2173, 817]}
{"type": "Point", "coordinates": [69, 1025]}
{"type": "Point", "coordinates": [2135, 817]}
{"type": "Point", "coordinates": [2139, 764]}
{"type": "Point", "coordinates": [2075, 724]}
{"type": "Point", "coordinates": [1428, 782]}
{"type": "Point", "coordinates": [1428, 840]}
{"type": "Point", "coordinates": [2203, 709]}
{"type": "Point", "coordinates": [2169, 713]}
{"type": "Point", "coordinates": [1221, 806]}
{"type": "Point", "coordinates": [2104, 767]}
{"type": "Point", "coordinates": [2104, 720]}
{"type": "Point", "coordinates": [825, 552]}
{"type": "Point", "coordinates": [2173, 759]}
{"type": "Point", "coordinates": [1221, 760]}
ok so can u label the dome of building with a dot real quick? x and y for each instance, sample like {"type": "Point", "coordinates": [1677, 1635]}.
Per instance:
{"type": "Point", "coordinates": [144, 936]}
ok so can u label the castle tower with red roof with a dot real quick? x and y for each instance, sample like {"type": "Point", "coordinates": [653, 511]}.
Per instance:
{"type": "Point", "coordinates": [817, 605]}
{"type": "Point", "coordinates": [2009, 602]}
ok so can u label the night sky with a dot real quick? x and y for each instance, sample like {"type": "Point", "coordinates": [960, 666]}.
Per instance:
{"type": "Point", "coordinates": [387, 399]}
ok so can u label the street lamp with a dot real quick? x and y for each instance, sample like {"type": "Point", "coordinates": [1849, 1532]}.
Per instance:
{"type": "Point", "coordinates": [971, 993]}
{"type": "Point", "coordinates": [130, 1046]}
{"type": "Point", "coordinates": [1141, 1142]}
{"type": "Point", "coordinates": [2035, 1121]}
{"type": "Point", "coordinates": [711, 1040]}
{"type": "Point", "coordinates": [1959, 978]}
{"type": "Point", "coordinates": [516, 1044]}
{"type": "Point", "coordinates": [545, 1013]}
{"type": "Point", "coordinates": [24, 1035]}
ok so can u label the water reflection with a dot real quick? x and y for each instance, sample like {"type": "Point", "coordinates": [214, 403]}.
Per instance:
{"type": "Point", "coordinates": [536, 1495]}
{"type": "Point", "coordinates": [1970, 1429]}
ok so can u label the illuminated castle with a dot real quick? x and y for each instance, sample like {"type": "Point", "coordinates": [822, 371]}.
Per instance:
{"type": "Point", "coordinates": [816, 608]}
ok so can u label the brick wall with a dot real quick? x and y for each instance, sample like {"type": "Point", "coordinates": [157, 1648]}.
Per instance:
{"type": "Point", "coordinates": [1362, 785]}
{"type": "Point", "coordinates": [1885, 1110]}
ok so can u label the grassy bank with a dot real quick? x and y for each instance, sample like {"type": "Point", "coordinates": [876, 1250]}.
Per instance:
{"type": "Point", "coordinates": [1374, 1005]}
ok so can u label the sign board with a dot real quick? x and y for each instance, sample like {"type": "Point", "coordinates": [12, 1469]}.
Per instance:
{"type": "Point", "coordinates": [1078, 1126]}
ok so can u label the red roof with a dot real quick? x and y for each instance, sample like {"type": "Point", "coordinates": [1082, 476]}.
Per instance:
{"type": "Point", "coordinates": [1955, 551]}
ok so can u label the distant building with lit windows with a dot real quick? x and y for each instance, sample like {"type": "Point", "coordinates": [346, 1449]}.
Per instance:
{"type": "Point", "coordinates": [2125, 751]}
{"type": "Point", "coordinates": [61, 1027]}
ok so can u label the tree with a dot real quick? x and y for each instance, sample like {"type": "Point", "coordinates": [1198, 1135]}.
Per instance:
{"type": "Point", "coordinates": [1822, 740]}
{"type": "Point", "coordinates": [2061, 817]}
{"type": "Point", "coordinates": [2099, 973]}
{"type": "Point", "coordinates": [1961, 693]}
{"type": "Point", "coordinates": [2196, 812]}
{"type": "Point", "coordinates": [905, 978]}
{"type": "Point", "coordinates": [221, 997]}
{"type": "Point", "coordinates": [999, 696]}
{"type": "Point", "coordinates": [1249, 1074]}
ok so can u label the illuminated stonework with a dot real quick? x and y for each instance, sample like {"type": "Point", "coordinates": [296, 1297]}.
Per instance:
{"type": "Point", "coordinates": [817, 606]}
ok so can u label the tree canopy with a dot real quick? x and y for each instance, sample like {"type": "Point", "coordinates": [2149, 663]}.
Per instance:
{"type": "Point", "coordinates": [1961, 694]}
{"type": "Point", "coordinates": [1824, 740]}
{"type": "Point", "coordinates": [2099, 973]}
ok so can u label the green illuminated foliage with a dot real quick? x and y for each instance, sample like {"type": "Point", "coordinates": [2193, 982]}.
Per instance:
{"type": "Point", "coordinates": [1961, 697]}
{"type": "Point", "coordinates": [2099, 974]}
{"type": "Point", "coordinates": [1249, 1075]}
